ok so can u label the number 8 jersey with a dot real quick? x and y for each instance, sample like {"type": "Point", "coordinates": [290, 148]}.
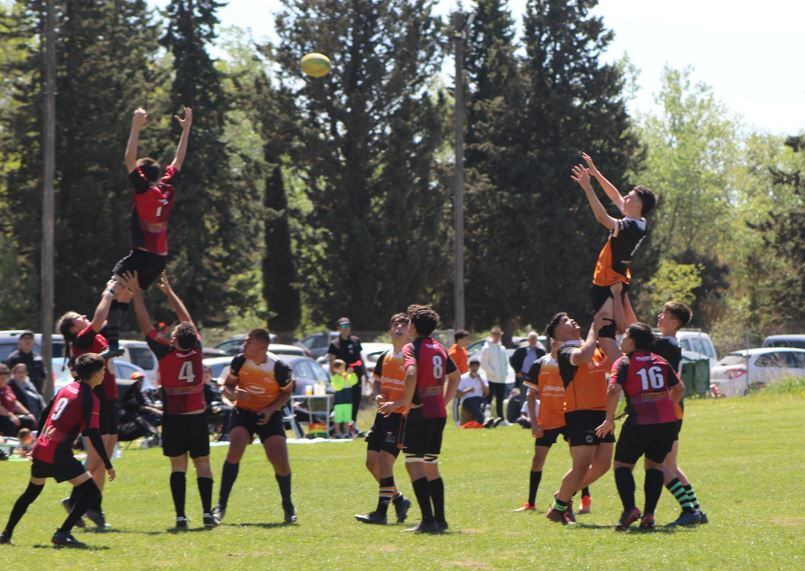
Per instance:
{"type": "Point", "coordinates": [646, 379]}
{"type": "Point", "coordinates": [181, 375]}
{"type": "Point", "coordinates": [432, 366]}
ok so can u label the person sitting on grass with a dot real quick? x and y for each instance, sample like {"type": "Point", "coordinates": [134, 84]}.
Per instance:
{"type": "Point", "coordinates": [473, 390]}
{"type": "Point", "coordinates": [343, 380]}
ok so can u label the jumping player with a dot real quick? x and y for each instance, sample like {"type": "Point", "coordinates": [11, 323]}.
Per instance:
{"type": "Point", "coordinates": [261, 385]}
{"type": "Point", "coordinates": [181, 376]}
{"type": "Point", "coordinates": [651, 388]}
{"type": "Point", "coordinates": [84, 336]}
{"type": "Point", "coordinates": [625, 236]}
{"type": "Point", "coordinates": [426, 396]}
{"type": "Point", "coordinates": [74, 409]}
{"type": "Point", "coordinates": [583, 369]}
{"type": "Point", "coordinates": [385, 437]}
{"type": "Point", "coordinates": [151, 208]}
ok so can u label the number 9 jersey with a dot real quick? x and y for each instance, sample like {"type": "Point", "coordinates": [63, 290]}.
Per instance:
{"type": "Point", "coordinates": [646, 379]}
{"type": "Point", "coordinates": [181, 375]}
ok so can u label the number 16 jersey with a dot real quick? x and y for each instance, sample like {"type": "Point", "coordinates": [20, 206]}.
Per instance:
{"type": "Point", "coordinates": [646, 379]}
{"type": "Point", "coordinates": [432, 366]}
{"type": "Point", "coordinates": [181, 375]}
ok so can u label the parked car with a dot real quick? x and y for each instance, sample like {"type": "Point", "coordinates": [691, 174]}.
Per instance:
{"type": "Point", "coordinates": [698, 342]}
{"type": "Point", "coordinates": [796, 341]}
{"type": "Point", "coordinates": [218, 364]}
{"type": "Point", "coordinates": [10, 338]}
{"type": "Point", "coordinates": [371, 353]}
{"type": "Point", "coordinates": [306, 371]}
{"type": "Point", "coordinates": [318, 343]}
{"type": "Point", "coordinates": [476, 347]}
{"type": "Point", "coordinates": [139, 353]}
{"type": "Point", "coordinates": [740, 371]}
{"type": "Point", "coordinates": [63, 377]}
{"type": "Point", "coordinates": [233, 345]}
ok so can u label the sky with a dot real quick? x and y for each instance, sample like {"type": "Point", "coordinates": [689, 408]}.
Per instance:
{"type": "Point", "coordinates": [748, 52]}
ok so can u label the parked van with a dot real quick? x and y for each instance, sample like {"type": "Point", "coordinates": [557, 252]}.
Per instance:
{"type": "Point", "coordinates": [698, 342]}
{"type": "Point", "coordinates": [793, 341]}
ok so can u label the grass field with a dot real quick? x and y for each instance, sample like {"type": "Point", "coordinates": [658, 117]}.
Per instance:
{"type": "Point", "coordinates": [746, 458]}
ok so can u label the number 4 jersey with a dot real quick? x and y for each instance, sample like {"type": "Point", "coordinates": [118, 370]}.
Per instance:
{"type": "Point", "coordinates": [432, 366]}
{"type": "Point", "coordinates": [646, 379]}
{"type": "Point", "coordinates": [181, 375]}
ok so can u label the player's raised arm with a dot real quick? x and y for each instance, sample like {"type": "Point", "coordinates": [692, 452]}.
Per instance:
{"type": "Point", "coordinates": [610, 189]}
{"type": "Point", "coordinates": [176, 303]}
{"type": "Point", "coordinates": [129, 280]}
{"type": "Point", "coordinates": [584, 354]}
{"type": "Point", "coordinates": [102, 309]}
{"type": "Point", "coordinates": [181, 150]}
{"type": "Point", "coordinates": [581, 176]}
{"type": "Point", "coordinates": [138, 120]}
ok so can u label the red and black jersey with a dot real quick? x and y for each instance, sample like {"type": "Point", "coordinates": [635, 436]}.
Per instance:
{"type": "Point", "coordinates": [90, 341]}
{"type": "Point", "coordinates": [74, 409]}
{"type": "Point", "coordinates": [646, 379]}
{"type": "Point", "coordinates": [181, 375]}
{"type": "Point", "coordinates": [151, 209]}
{"type": "Point", "coordinates": [432, 367]}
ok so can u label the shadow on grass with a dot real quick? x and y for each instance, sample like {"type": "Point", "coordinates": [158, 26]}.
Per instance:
{"type": "Point", "coordinates": [658, 529]}
{"type": "Point", "coordinates": [85, 548]}
{"type": "Point", "coordinates": [120, 531]}
{"type": "Point", "coordinates": [178, 531]}
{"type": "Point", "coordinates": [264, 525]}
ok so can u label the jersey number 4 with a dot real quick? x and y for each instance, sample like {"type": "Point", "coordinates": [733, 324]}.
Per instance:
{"type": "Point", "coordinates": [186, 372]}
{"type": "Point", "coordinates": [652, 377]}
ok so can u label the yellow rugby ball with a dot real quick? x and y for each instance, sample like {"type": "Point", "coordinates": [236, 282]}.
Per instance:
{"type": "Point", "coordinates": [316, 64]}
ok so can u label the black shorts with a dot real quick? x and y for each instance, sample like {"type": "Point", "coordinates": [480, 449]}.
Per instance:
{"type": "Point", "coordinates": [581, 425]}
{"type": "Point", "coordinates": [600, 295]}
{"type": "Point", "coordinates": [424, 435]}
{"type": "Point", "coordinates": [183, 433]}
{"type": "Point", "coordinates": [550, 436]}
{"type": "Point", "coordinates": [147, 265]}
{"type": "Point", "coordinates": [653, 440]}
{"type": "Point", "coordinates": [60, 471]}
{"type": "Point", "coordinates": [248, 420]}
{"type": "Point", "coordinates": [385, 434]}
{"type": "Point", "coordinates": [678, 429]}
{"type": "Point", "coordinates": [108, 417]}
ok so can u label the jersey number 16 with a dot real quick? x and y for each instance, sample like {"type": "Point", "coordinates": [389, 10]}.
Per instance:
{"type": "Point", "coordinates": [653, 377]}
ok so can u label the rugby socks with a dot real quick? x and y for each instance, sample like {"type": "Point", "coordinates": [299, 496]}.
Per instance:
{"type": "Point", "coordinates": [21, 506]}
{"type": "Point", "coordinates": [559, 505]}
{"type": "Point", "coordinates": [386, 494]}
{"type": "Point", "coordinates": [178, 482]}
{"type": "Point", "coordinates": [694, 501]}
{"type": "Point", "coordinates": [285, 487]}
{"type": "Point", "coordinates": [228, 476]}
{"type": "Point", "coordinates": [422, 492]}
{"type": "Point", "coordinates": [624, 480]}
{"type": "Point", "coordinates": [436, 488]}
{"type": "Point", "coordinates": [117, 313]}
{"type": "Point", "coordinates": [533, 486]}
{"type": "Point", "coordinates": [205, 491]}
{"type": "Point", "coordinates": [88, 495]}
{"type": "Point", "coordinates": [652, 488]}
{"type": "Point", "coordinates": [680, 493]}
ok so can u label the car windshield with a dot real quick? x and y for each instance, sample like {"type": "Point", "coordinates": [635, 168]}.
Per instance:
{"type": "Point", "coordinates": [142, 357]}
{"type": "Point", "coordinates": [732, 360]}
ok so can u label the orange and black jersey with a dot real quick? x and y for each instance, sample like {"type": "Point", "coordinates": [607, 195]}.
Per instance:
{"type": "Point", "coordinates": [262, 382]}
{"type": "Point", "coordinates": [585, 385]}
{"type": "Point", "coordinates": [544, 377]}
{"type": "Point", "coordinates": [616, 256]}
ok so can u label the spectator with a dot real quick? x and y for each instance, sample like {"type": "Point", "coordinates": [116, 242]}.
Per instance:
{"type": "Point", "coordinates": [348, 348]}
{"type": "Point", "coordinates": [26, 438]}
{"type": "Point", "coordinates": [25, 391]}
{"type": "Point", "coordinates": [219, 411]}
{"type": "Point", "coordinates": [495, 364]}
{"type": "Point", "coordinates": [473, 389]}
{"type": "Point", "coordinates": [458, 351]}
{"type": "Point", "coordinates": [25, 354]}
{"type": "Point", "coordinates": [523, 357]}
{"type": "Point", "coordinates": [342, 381]}
{"type": "Point", "coordinates": [13, 415]}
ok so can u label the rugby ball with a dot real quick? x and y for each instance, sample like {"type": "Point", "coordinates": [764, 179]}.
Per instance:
{"type": "Point", "coordinates": [316, 64]}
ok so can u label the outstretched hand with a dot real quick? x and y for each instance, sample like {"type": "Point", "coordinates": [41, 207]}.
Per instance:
{"type": "Point", "coordinates": [163, 284]}
{"type": "Point", "coordinates": [139, 117]}
{"type": "Point", "coordinates": [187, 120]}
{"type": "Point", "coordinates": [130, 281]}
{"type": "Point", "coordinates": [590, 164]}
{"type": "Point", "coordinates": [581, 176]}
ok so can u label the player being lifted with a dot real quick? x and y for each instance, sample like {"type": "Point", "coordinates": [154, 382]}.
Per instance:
{"type": "Point", "coordinates": [615, 258]}
{"type": "Point", "coordinates": [385, 437]}
{"type": "Point", "coordinates": [181, 376]}
{"type": "Point", "coordinates": [74, 409]}
{"type": "Point", "coordinates": [261, 385]}
{"type": "Point", "coordinates": [151, 208]}
{"type": "Point", "coordinates": [426, 396]}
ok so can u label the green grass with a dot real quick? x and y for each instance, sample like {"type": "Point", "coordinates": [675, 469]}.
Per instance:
{"type": "Point", "coordinates": [745, 457]}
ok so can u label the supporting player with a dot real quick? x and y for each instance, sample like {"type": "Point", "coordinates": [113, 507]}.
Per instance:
{"type": "Point", "coordinates": [385, 437]}
{"type": "Point", "coordinates": [651, 388]}
{"type": "Point", "coordinates": [260, 385]}
{"type": "Point", "coordinates": [84, 336]}
{"type": "Point", "coordinates": [583, 368]}
{"type": "Point", "coordinates": [181, 376]}
{"type": "Point", "coordinates": [426, 396]}
{"type": "Point", "coordinates": [625, 235]}
{"type": "Point", "coordinates": [152, 204]}
{"type": "Point", "coordinates": [74, 408]}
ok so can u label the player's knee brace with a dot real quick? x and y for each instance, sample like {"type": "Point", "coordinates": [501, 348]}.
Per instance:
{"type": "Point", "coordinates": [431, 458]}
{"type": "Point", "coordinates": [414, 458]}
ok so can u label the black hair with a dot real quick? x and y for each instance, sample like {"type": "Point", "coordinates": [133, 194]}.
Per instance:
{"type": "Point", "coordinates": [679, 311]}
{"type": "Point", "coordinates": [186, 335]}
{"type": "Point", "coordinates": [398, 318]}
{"type": "Point", "coordinates": [424, 319]}
{"type": "Point", "coordinates": [461, 334]}
{"type": "Point", "coordinates": [87, 365]}
{"type": "Point", "coordinates": [642, 336]}
{"type": "Point", "coordinates": [647, 198]}
{"type": "Point", "coordinates": [260, 335]}
{"type": "Point", "coordinates": [150, 169]}
{"type": "Point", "coordinates": [551, 327]}
{"type": "Point", "coordinates": [64, 325]}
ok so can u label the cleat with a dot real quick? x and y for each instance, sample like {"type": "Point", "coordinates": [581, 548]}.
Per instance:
{"type": "Point", "coordinates": [703, 517]}
{"type": "Point", "coordinates": [526, 507]}
{"type": "Point", "coordinates": [627, 519]}
{"type": "Point", "coordinates": [647, 522]}
{"type": "Point", "coordinates": [182, 522]}
{"type": "Point", "coordinates": [64, 539]}
{"type": "Point", "coordinates": [442, 525]}
{"type": "Point", "coordinates": [557, 517]}
{"type": "Point", "coordinates": [371, 518]}
{"type": "Point", "coordinates": [290, 512]}
{"type": "Point", "coordinates": [586, 504]}
{"type": "Point", "coordinates": [210, 521]}
{"type": "Point", "coordinates": [401, 506]}
{"type": "Point", "coordinates": [687, 517]}
{"type": "Point", "coordinates": [425, 527]}
{"type": "Point", "coordinates": [5, 538]}
{"type": "Point", "coordinates": [67, 507]}
{"type": "Point", "coordinates": [98, 518]}
{"type": "Point", "coordinates": [219, 512]}
{"type": "Point", "coordinates": [489, 423]}
{"type": "Point", "coordinates": [497, 422]}
{"type": "Point", "coordinates": [111, 352]}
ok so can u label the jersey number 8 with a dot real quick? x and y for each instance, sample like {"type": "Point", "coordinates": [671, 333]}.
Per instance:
{"type": "Point", "coordinates": [438, 367]}
{"type": "Point", "coordinates": [652, 377]}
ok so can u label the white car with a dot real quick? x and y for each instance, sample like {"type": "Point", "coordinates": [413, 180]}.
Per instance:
{"type": "Point", "coordinates": [139, 353]}
{"type": "Point", "coordinates": [62, 376]}
{"type": "Point", "coordinates": [739, 371]}
{"type": "Point", "coordinates": [698, 342]}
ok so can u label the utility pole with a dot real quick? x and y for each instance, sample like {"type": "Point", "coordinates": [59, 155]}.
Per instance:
{"type": "Point", "coordinates": [459, 34]}
{"type": "Point", "coordinates": [46, 270]}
